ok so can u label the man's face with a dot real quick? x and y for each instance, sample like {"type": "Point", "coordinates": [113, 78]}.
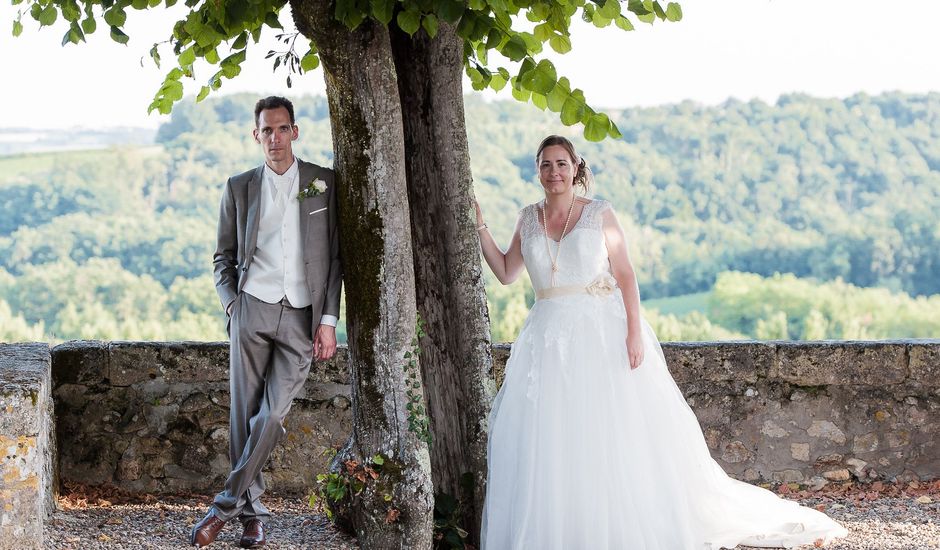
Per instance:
{"type": "Point", "coordinates": [275, 134]}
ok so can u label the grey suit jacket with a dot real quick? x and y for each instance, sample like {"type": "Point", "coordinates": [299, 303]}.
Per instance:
{"type": "Point", "coordinates": [239, 217]}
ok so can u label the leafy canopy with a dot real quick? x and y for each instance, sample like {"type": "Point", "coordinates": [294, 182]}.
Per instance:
{"type": "Point", "coordinates": [516, 30]}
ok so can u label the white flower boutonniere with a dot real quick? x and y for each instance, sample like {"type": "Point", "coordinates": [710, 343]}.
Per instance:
{"type": "Point", "coordinates": [313, 189]}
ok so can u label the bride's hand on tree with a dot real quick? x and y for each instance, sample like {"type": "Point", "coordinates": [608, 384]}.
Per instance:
{"type": "Point", "coordinates": [635, 349]}
{"type": "Point", "coordinates": [476, 207]}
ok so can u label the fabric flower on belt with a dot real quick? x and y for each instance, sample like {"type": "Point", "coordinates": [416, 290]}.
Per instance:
{"type": "Point", "coordinates": [603, 285]}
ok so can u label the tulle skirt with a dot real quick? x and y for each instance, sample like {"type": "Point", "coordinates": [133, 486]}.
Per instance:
{"type": "Point", "coordinates": [587, 454]}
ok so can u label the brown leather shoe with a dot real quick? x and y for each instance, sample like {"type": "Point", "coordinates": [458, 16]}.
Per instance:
{"type": "Point", "coordinates": [206, 530]}
{"type": "Point", "coordinates": [253, 535]}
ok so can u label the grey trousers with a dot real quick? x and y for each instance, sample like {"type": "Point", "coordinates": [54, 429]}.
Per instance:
{"type": "Point", "coordinates": [271, 352]}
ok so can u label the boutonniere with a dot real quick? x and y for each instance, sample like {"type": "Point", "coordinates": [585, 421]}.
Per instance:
{"type": "Point", "coordinates": [313, 189]}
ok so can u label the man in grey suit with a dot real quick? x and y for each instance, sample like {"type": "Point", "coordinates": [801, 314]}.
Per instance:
{"type": "Point", "coordinates": [278, 275]}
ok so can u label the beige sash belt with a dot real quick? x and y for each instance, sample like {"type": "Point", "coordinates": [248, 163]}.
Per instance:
{"type": "Point", "coordinates": [603, 285]}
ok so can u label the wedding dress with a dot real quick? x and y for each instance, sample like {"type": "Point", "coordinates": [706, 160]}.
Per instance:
{"type": "Point", "coordinates": [587, 454]}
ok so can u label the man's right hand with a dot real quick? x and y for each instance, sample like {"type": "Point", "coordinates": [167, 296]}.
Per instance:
{"type": "Point", "coordinates": [228, 308]}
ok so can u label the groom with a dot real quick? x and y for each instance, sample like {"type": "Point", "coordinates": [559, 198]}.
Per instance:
{"type": "Point", "coordinates": [278, 275]}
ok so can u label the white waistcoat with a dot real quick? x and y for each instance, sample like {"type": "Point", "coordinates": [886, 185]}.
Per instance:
{"type": "Point", "coordinates": [277, 269]}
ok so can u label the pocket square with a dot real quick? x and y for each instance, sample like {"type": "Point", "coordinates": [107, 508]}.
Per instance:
{"type": "Point", "coordinates": [317, 211]}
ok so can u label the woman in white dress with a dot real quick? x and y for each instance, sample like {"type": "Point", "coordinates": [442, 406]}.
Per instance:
{"type": "Point", "coordinates": [592, 446]}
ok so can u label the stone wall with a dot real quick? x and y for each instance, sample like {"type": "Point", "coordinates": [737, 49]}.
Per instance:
{"type": "Point", "coordinates": [27, 444]}
{"type": "Point", "coordinates": [153, 416]}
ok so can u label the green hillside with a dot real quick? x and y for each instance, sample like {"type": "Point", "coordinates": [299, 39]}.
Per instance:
{"type": "Point", "coordinates": [841, 195]}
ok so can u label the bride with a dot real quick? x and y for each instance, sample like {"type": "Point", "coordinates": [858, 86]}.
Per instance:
{"type": "Point", "coordinates": [591, 444]}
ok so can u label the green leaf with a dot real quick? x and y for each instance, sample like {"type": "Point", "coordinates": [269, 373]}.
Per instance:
{"type": "Point", "coordinates": [409, 21]}
{"type": "Point", "coordinates": [70, 11]}
{"type": "Point", "coordinates": [614, 132]}
{"type": "Point", "coordinates": [203, 92]}
{"type": "Point", "coordinates": [559, 94]}
{"type": "Point", "coordinates": [310, 61]}
{"type": "Point", "coordinates": [115, 16]}
{"type": "Point", "coordinates": [17, 28]}
{"type": "Point", "coordinates": [532, 44]}
{"type": "Point", "coordinates": [429, 23]}
{"type": "Point", "coordinates": [383, 10]}
{"type": "Point", "coordinates": [561, 44]}
{"type": "Point", "coordinates": [476, 78]}
{"type": "Point", "coordinates": [212, 56]}
{"type": "Point", "coordinates": [596, 127]}
{"type": "Point", "coordinates": [659, 11]}
{"type": "Point", "coordinates": [540, 79]}
{"type": "Point", "coordinates": [451, 10]}
{"type": "Point", "coordinates": [188, 57]}
{"type": "Point", "coordinates": [493, 37]}
{"type": "Point", "coordinates": [241, 41]}
{"type": "Point", "coordinates": [89, 25]}
{"type": "Point", "coordinates": [477, 5]}
{"type": "Point", "coordinates": [139, 4]}
{"type": "Point", "coordinates": [118, 35]}
{"type": "Point", "coordinates": [610, 9]}
{"type": "Point", "coordinates": [538, 12]}
{"type": "Point", "coordinates": [539, 101]}
{"type": "Point", "coordinates": [515, 48]}
{"type": "Point", "coordinates": [673, 12]}
{"type": "Point", "coordinates": [497, 83]}
{"type": "Point", "coordinates": [638, 7]}
{"type": "Point", "coordinates": [155, 55]}
{"type": "Point", "coordinates": [272, 21]}
{"type": "Point", "coordinates": [519, 93]}
{"type": "Point", "coordinates": [572, 111]}
{"type": "Point", "coordinates": [624, 23]}
{"type": "Point", "coordinates": [600, 21]}
{"type": "Point", "coordinates": [48, 16]}
{"type": "Point", "coordinates": [75, 33]}
{"type": "Point", "coordinates": [543, 32]}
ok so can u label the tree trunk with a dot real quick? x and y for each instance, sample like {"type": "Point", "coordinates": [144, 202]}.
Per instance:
{"type": "Point", "coordinates": [455, 355]}
{"type": "Point", "coordinates": [375, 231]}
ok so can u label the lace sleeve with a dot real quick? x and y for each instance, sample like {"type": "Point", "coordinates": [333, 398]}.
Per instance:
{"type": "Point", "coordinates": [591, 216]}
{"type": "Point", "coordinates": [530, 223]}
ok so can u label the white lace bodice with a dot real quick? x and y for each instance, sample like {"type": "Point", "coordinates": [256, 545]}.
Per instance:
{"type": "Point", "coordinates": [583, 254]}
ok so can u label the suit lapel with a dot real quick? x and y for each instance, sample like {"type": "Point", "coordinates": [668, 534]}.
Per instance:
{"type": "Point", "coordinates": [306, 174]}
{"type": "Point", "coordinates": [254, 205]}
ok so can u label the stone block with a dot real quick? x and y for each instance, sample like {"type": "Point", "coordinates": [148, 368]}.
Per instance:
{"type": "Point", "coordinates": [83, 362]}
{"type": "Point", "coordinates": [826, 430]}
{"type": "Point", "coordinates": [800, 451]}
{"type": "Point", "coordinates": [719, 361]}
{"type": "Point", "coordinates": [924, 362]}
{"type": "Point", "coordinates": [842, 363]}
{"type": "Point", "coordinates": [27, 444]}
{"type": "Point", "coordinates": [172, 362]}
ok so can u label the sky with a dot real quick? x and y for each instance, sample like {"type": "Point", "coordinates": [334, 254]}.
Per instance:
{"type": "Point", "coordinates": [722, 48]}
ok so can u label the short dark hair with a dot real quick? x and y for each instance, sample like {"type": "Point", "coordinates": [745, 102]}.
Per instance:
{"type": "Point", "coordinates": [273, 102]}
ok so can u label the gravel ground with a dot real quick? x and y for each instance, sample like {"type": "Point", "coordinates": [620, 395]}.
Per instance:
{"type": "Point", "coordinates": [874, 521]}
{"type": "Point", "coordinates": [167, 523]}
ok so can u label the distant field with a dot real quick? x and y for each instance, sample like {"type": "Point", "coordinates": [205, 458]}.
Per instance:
{"type": "Point", "coordinates": [680, 305]}
{"type": "Point", "coordinates": [12, 166]}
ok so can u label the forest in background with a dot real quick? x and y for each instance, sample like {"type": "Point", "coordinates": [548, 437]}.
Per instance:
{"type": "Point", "coordinates": [807, 219]}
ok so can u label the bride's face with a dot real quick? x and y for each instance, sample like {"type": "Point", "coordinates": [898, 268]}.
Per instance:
{"type": "Point", "coordinates": [556, 169]}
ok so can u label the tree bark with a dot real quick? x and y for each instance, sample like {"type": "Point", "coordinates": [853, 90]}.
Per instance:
{"type": "Point", "coordinates": [375, 232]}
{"type": "Point", "coordinates": [455, 355]}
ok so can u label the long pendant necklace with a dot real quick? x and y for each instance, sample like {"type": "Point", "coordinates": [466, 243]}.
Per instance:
{"type": "Point", "coordinates": [554, 259]}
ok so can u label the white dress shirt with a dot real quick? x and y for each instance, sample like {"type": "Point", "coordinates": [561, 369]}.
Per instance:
{"type": "Point", "coordinates": [277, 269]}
